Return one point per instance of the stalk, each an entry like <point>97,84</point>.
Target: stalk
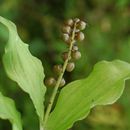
<point>52,98</point>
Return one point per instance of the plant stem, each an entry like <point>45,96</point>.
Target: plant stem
<point>41,126</point>
<point>49,107</point>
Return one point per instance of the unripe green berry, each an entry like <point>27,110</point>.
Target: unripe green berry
<point>65,56</point>
<point>80,36</point>
<point>69,22</point>
<point>81,25</point>
<point>62,83</point>
<point>75,48</point>
<point>50,82</point>
<point>57,69</point>
<point>70,66</point>
<point>66,29</point>
<point>76,55</point>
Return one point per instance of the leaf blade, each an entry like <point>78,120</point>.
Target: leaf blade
<point>8,111</point>
<point>24,68</point>
<point>104,86</point>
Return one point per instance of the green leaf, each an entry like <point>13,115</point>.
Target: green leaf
<point>8,111</point>
<point>24,68</point>
<point>104,86</point>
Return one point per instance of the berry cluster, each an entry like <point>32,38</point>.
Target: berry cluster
<point>68,27</point>
<point>71,32</point>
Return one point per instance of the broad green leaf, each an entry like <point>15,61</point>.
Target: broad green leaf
<point>8,111</point>
<point>104,86</point>
<point>24,68</point>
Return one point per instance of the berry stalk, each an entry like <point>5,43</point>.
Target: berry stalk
<point>71,33</point>
<point>60,76</point>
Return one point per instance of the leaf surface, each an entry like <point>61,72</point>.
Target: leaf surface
<point>8,111</point>
<point>104,86</point>
<point>24,68</point>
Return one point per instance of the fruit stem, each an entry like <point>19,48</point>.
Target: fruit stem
<point>52,98</point>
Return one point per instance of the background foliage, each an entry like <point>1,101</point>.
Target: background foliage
<point>107,38</point>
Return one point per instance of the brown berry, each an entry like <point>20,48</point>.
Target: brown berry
<point>62,83</point>
<point>65,37</point>
<point>50,82</point>
<point>80,36</point>
<point>75,48</point>
<point>66,29</point>
<point>77,30</point>
<point>70,66</point>
<point>81,25</point>
<point>76,20</point>
<point>57,69</point>
<point>76,55</point>
<point>65,56</point>
<point>69,22</point>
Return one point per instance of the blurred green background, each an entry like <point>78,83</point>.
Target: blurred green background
<point>107,38</point>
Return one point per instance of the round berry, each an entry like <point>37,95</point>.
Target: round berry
<point>66,29</point>
<point>62,83</point>
<point>57,69</point>
<point>77,30</point>
<point>65,56</point>
<point>81,25</point>
<point>66,37</point>
<point>80,36</point>
<point>76,55</point>
<point>50,82</point>
<point>75,48</point>
<point>76,20</point>
<point>70,66</point>
<point>69,22</point>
